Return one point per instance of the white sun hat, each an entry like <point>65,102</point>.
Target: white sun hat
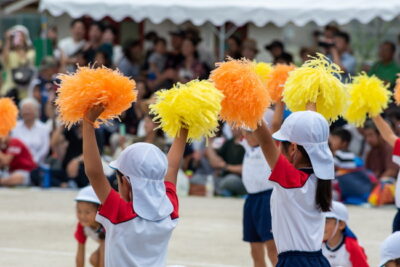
<point>310,130</point>
<point>87,194</point>
<point>146,166</point>
<point>390,248</point>
<point>338,211</point>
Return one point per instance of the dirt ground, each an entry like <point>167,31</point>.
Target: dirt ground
<point>37,226</point>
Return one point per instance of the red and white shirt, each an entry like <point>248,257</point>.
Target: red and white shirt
<point>297,224</point>
<point>131,240</point>
<point>396,159</point>
<point>22,157</point>
<point>82,233</point>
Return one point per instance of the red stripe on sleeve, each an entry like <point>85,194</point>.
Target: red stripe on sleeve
<point>286,175</point>
<point>80,234</point>
<point>117,210</point>
<point>171,193</point>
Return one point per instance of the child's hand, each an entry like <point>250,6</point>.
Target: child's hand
<point>311,106</point>
<point>94,112</point>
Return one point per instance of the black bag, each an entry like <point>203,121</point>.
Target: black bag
<point>22,75</point>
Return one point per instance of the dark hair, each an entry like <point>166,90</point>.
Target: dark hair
<point>112,29</point>
<point>99,25</point>
<point>127,48</point>
<point>391,44</point>
<point>369,124</point>
<point>344,35</point>
<point>75,21</point>
<point>160,40</point>
<point>343,134</point>
<point>236,40</point>
<point>285,58</point>
<point>107,58</point>
<point>323,194</point>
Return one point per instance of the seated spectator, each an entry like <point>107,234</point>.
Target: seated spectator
<point>306,53</point>
<point>228,164</point>
<point>386,68</point>
<point>101,58</point>
<point>95,42</point>
<point>31,131</point>
<point>234,47</point>
<point>109,37</point>
<point>158,58</point>
<point>69,46</point>
<point>16,162</point>
<point>339,141</point>
<point>379,158</point>
<point>277,50</point>
<point>249,49</point>
<point>132,60</point>
<point>390,252</point>
<point>191,67</point>
<point>340,54</point>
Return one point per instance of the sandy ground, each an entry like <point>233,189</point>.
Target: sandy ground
<point>36,230</point>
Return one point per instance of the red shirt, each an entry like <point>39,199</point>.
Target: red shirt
<point>22,157</point>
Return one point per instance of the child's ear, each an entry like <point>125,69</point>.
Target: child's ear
<point>342,225</point>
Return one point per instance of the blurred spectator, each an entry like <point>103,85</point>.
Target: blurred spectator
<point>277,51</point>
<point>339,142</point>
<point>339,53</point>
<point>249,49</point>
<point>133,58</point>
<point>234,47</point>
<point>70,46</point>
<point>31,131</point>
<point>101,58</point>
<point>95,42</point>
<point>228,163</point>
<point>191,67</point>
<point>45,83</point>
<point>330,31</point>
<point>379,158</point>
<point>109,37</point>
<point>18,58</point>
<point>306,53</point>
<point>158,58</point>
<point>16,162</point>
<point>386,68</point>
<point>175,56</point>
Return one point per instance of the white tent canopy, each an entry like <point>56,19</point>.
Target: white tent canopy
<point>239,12</point>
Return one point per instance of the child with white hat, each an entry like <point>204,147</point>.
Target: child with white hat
<point>302,170</point>
<point>87,205</point>
<point>340,246</point>
<point>140,218</point>
<point>390,251</point>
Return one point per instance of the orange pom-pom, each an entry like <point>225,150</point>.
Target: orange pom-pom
<point>246,97</point>
<point>87,87</point>
<point>8,115</point>
<point>277,80</point>
<point>397,90</point>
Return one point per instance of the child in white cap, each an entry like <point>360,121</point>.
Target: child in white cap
<point>390,251</point>
<point>140,218</point>
<point>394,141</point>
<point>87,205</point>
<point>302,170</point>
<point>340,246</point>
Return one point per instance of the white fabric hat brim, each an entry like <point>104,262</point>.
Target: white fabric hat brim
<point>321,160</point>
<point>279,136</point>
<point>87,194</point>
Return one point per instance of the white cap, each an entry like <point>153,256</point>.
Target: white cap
<point>390,248</point>
<point>310,130</point>
<point>87,194</point>
<point>338,211</point>
<point>146,166</point>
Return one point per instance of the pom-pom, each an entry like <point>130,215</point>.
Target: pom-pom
<point>316,82</point>
<point>246,96</point>
<point>277,80</point>
<point>194,106</point>
<point>369,96</point>
<point>397,91</point>
<point>8,116</point>
<point>263,71</point>
<point>87,87</point>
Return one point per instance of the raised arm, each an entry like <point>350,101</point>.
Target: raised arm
<point>267,144</point>
<point>278,116</point>
<point>175,155</point>
<point>385,130</point>
<point>91,155</point>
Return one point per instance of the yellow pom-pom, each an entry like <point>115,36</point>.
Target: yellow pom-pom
<point>316,82</point>
<point>8,115</point>
<point>369,96</point>
<point>263,71</point>
<point>194,106</point>
<point>246,96</point>
<point>397,91</point>
<point>277,80</point>
<point>87,87</point>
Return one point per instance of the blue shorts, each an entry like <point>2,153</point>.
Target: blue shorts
<point>302,259</point>
<point>396,221</point>
<point>257,225</point>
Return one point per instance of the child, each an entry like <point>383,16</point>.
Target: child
<point>302,170</point>
<point>339,141</point>
<point>87,205</point>
<point>390,251</point>
<point>139,220</point>
<point>257,228</point>
<point>340,246</point>
<point>389,136</point>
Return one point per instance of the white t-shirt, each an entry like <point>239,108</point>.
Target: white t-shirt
<point>297,224</point>
<point>69,47</point>
<point>131,240</point>
<point>338,257</point>
<point>255,170</point>
<point>396,159</point>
